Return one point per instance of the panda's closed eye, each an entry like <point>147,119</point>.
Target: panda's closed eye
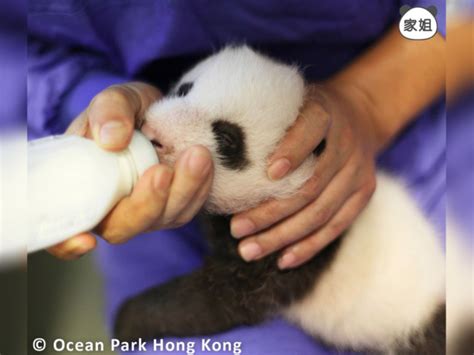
<point>231,148</point>
<point>184,89</point>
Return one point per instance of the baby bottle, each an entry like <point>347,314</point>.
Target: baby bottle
<point>73,184</point>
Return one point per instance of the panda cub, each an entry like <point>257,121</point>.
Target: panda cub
<point>377,288</point>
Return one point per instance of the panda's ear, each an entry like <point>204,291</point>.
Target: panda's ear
<point>404,9</point>
<point>433,10</point>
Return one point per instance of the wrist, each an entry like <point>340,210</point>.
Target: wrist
<point>357,107</point>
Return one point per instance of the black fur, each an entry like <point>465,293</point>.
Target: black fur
<point>224,293</point>
<point>429,341</point>
<point>231,146</point>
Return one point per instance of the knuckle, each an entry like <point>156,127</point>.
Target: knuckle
<point>321,215</point>
<point>306,195</point>
<point>266,215</point>
<point>113,93</point>
<point>146,212</point>
<point>309,190</point>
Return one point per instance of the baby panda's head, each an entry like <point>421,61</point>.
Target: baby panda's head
<point>238,104</point>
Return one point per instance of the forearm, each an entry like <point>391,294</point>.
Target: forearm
<point>459,65</point>
<point>393,81</point>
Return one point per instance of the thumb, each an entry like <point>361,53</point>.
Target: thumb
<point>112,113</point>
<point>308,131</point>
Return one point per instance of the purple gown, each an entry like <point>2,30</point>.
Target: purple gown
<point>77,48</point>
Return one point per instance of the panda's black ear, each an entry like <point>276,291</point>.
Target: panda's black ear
<point>433,10</point>
<point>404,9</point>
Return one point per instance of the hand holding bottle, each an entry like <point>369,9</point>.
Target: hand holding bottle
<point>163,197</point>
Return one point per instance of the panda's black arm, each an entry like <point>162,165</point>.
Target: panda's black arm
<point>225,293</point>
<point>210,300</point>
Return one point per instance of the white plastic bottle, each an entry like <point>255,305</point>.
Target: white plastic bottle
<point>73,184</point>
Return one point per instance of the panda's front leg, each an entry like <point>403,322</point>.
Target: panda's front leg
<point>210,300</point>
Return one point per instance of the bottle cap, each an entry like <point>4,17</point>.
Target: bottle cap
<point>142,152</point>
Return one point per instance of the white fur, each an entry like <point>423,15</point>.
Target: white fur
<point>388,276</point>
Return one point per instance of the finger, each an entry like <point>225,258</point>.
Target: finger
<point>273,211</point>
<point>192,170</point>
<point>79,126</point>
<point>304,250</point>
<point>74,247</point>
<point>196,203</point>
<point>303,222</point>
<point>303,137</point>
<point>112,114</point>
<point>137,212</point>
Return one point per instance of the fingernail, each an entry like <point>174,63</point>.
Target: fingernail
<point>279,169</point>
<point>162,180</point>
<point>241,227</point>
<point>198,163</point>
<point>287,261</point>
<point>250,251</point>
<point>113,132</point>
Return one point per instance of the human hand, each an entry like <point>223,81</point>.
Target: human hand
<point>342,183</point>
<point>163,197</point>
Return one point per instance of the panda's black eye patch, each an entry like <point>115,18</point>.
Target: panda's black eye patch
<point>184,89</point>
<point>231,147</point>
